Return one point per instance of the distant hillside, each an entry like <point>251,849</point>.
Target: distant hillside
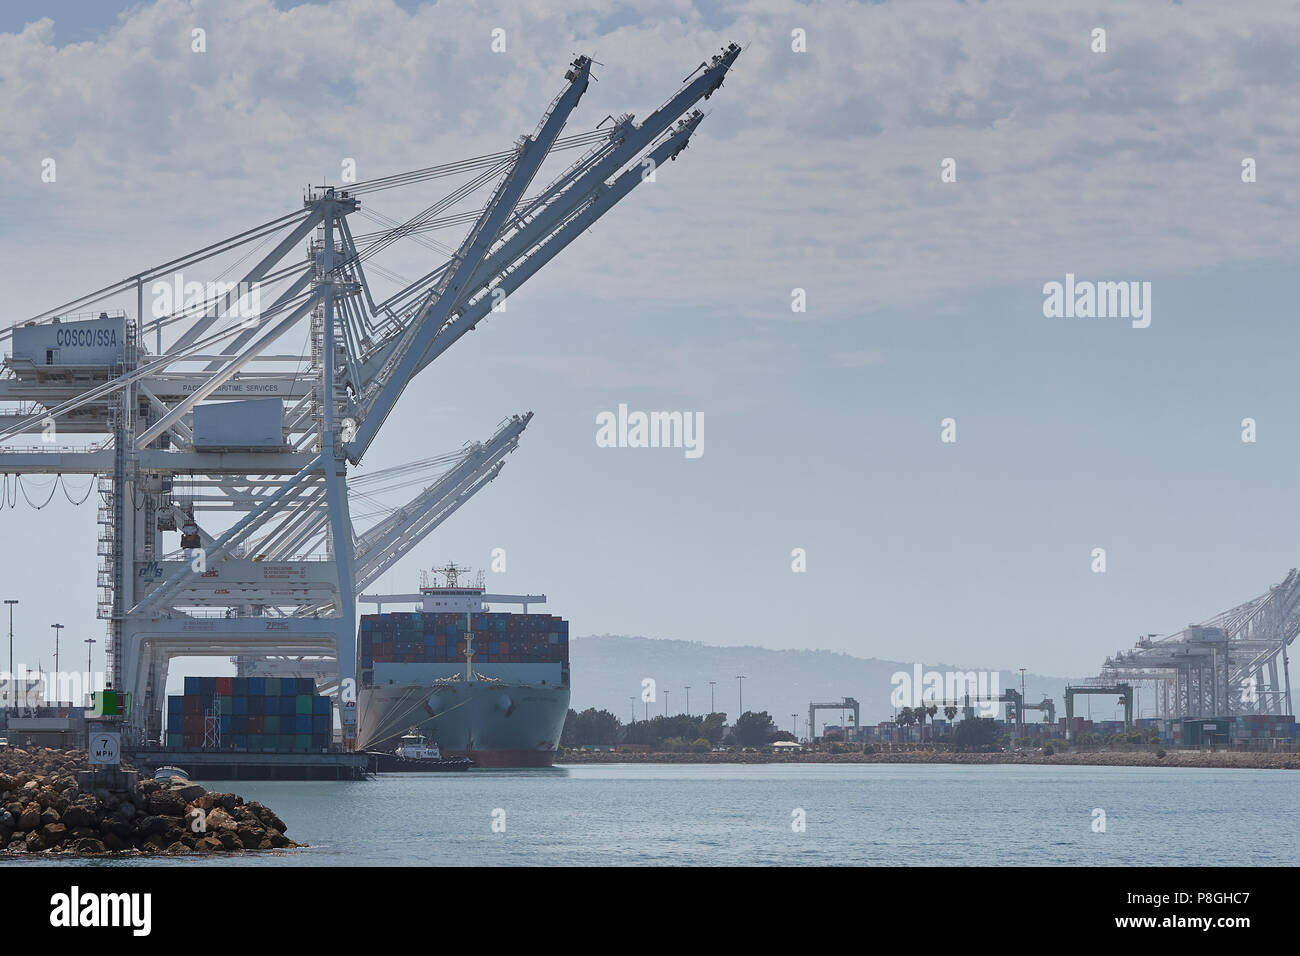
<point>608,669</point>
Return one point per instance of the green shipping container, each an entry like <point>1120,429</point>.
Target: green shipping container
<point>272,687</point>
<point>271,724</point>
<point>302,742</point>
<point>304,704</point>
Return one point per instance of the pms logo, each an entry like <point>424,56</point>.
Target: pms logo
<point>151,570</point>
<point>277,625</point>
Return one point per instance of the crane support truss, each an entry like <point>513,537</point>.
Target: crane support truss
<point>1234,663</point>
<point>233,418</point>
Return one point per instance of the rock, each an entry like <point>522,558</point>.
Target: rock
<point>251,836</point>
<point>157,842</point>
<point>37,841</point>
<point>31,785</point>
<point>208,844</point>
<point>229,840</point>
<point>49,815</point>
<point>127,811</point>
<point>78,816</point>
<point>54,832</point>
<point>220,820</point>
<point>178,848</point>
<point>30,819</point>
<point>114,843</point>
<point>189,792</point>
<point>151,824</point>
<point>79,833</point>
<point>89,845</point>
<point>166,803</point>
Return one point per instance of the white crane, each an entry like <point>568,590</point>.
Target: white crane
<point>239,426</point>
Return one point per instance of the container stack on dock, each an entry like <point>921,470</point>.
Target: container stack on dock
<point>253,714</point>
<point>416,637</point>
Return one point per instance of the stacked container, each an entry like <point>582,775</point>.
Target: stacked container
<point>412,637</point>
<point>254,714</point>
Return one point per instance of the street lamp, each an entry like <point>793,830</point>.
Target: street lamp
<point>794,718</point>
<point>688,700</point>
<point>13,684</point>
<point>712,709</point>
<point>666,693</point>
<point>633,700</point>
<point>740,678</point>
<point>57,628</point>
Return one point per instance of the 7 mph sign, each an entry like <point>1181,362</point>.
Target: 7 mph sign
<point>106,748</point>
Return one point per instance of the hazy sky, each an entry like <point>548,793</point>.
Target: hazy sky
<point>816,170</point>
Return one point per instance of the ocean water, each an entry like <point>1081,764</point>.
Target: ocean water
<point>742,815</point>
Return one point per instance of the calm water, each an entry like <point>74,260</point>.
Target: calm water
<point>883,814</point>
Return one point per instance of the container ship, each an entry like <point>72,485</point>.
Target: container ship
<point>488,685</point>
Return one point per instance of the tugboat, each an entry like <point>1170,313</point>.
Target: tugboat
<point>413,755</point>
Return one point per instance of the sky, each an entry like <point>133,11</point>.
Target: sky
<point>819,170</point>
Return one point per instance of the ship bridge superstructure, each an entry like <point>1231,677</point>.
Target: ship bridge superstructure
<point>225,418</point>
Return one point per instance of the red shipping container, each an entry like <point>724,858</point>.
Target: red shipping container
<point>255,723</point>
<point>225,686</point>
<point>192,704</point>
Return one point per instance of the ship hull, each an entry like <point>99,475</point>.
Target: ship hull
<point>494,724</point>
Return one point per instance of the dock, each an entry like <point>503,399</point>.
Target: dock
<point>228,765</point>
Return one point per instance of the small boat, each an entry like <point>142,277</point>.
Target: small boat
<point>413,755</point>
<point>168,771</point>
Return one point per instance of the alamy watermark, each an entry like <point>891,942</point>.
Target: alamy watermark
<point>922,687</point>
<point>626,429</point>
<point>1085,299</point>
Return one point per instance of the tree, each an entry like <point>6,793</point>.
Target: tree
<point>906,718</point>
<point>932,710</point>
<point>592,726</point>
<point>975,733</point>
<point>711,727</point>
<point>754,729</point>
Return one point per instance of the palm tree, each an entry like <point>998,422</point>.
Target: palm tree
<point>932,710</point>
<point>905,718</point>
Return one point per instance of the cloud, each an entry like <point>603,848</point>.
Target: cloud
<point>818,170</point>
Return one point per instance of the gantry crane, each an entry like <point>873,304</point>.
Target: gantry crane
<point>1236,662</point>
<point>238,427</point>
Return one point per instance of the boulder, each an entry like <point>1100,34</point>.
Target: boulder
<point>166,803</point>
<point>49,815</point>
<point>78,815</point>
<point>90,846</point>
<point>208,844</point>
<point>54,832</point>
<point>229,840</point>
<point>30,818</point>
<point>114,843</point>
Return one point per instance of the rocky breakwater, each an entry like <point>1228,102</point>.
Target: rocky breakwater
<point>42,810</point>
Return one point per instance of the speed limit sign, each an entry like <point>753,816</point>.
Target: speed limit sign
<point>105,748</point>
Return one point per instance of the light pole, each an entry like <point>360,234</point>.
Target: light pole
<point>688,700</point>
<point>794,718</point>
<point>13,683</point>
<point>1020,711</point>
<point>712,709</point>
<point>740,679</point>
<point>666,693</point>
<point>57,628</point>
<point>90,681</point>
<point>633,700</point>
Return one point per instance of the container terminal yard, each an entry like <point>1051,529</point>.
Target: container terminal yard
<point>232,420</point>
<point>219,431</point>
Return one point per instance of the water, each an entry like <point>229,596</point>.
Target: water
<point>740,815</point>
